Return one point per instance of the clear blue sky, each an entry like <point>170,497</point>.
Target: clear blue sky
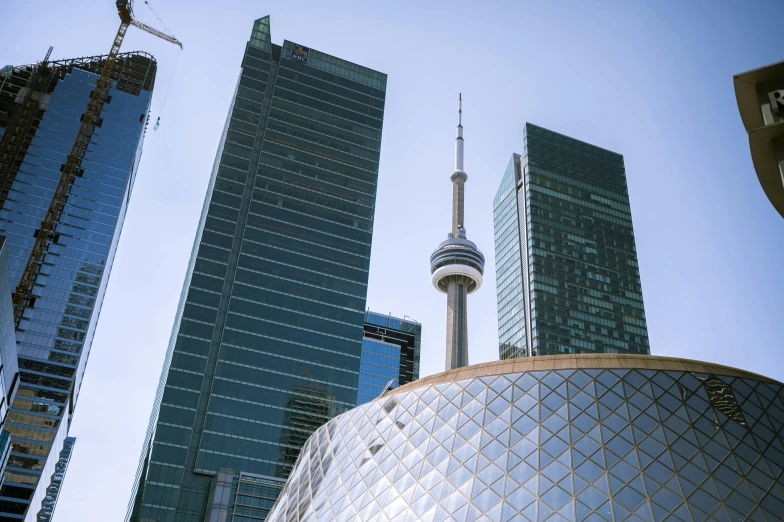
<point>650,80</point>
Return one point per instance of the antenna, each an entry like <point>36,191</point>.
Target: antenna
<point>459,138</point>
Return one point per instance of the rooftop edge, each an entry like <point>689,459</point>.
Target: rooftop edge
<point>577,362</point>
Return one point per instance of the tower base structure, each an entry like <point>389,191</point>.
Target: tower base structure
<point>559,438</point>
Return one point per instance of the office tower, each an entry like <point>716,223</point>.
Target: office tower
<point>567,438</point>
<point>390,354</point>
<point>457,264</point>
<point>566,264</point>
<point>267,339</point>
<point>760,97</point>
<point>55,332</point>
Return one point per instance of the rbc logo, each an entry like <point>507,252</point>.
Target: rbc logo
<point>777,102</point>
<point>300,53</point>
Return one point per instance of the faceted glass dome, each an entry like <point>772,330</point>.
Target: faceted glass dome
<point>667,440</point>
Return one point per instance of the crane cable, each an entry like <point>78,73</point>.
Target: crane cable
<point>168,87</point>
<point>176,62</point>
<point>158,17</point>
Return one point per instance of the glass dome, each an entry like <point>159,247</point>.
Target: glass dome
<point>564,438</point>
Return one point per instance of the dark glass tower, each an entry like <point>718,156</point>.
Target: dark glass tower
<point>55,333</point>
<point>267,339</point>
<point>566,264</point>
<point>390,352</point>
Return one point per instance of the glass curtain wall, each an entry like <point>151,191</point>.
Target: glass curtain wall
<point>267,340</point>
<point>510,294</point>
<point>579,277</point>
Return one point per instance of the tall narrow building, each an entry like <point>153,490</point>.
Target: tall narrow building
<point>457,265</point>
<point>56,329</point>
<point>267,339</point>
<point>566,263</point>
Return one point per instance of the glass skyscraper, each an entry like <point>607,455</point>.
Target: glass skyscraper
<point>566,263</point>
<point>390,353</point>
<point>55,333</point>
<point>267,340</point>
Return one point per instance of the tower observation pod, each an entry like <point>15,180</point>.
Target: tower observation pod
<point>457,264</point>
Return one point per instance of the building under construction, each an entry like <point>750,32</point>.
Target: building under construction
<point>42,113</point>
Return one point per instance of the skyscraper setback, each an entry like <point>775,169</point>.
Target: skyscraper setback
<point>55,332</point>
<point>566,263</point>
<point>267,339</point>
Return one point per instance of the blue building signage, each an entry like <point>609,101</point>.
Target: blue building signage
<point>300,53</point>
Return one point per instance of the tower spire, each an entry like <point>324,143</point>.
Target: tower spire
<point>459,177</point>
<point>459,139</point>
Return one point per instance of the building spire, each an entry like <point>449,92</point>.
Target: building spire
<point>459,139</point>
<point>459,176</point>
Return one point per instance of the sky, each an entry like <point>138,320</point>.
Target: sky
<point>649,80</point>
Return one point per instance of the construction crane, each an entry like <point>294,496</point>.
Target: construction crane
<point>23,296</point>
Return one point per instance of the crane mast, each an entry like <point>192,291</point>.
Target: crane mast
<point>23,296</point>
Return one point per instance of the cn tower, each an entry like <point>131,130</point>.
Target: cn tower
<point>457,264</point>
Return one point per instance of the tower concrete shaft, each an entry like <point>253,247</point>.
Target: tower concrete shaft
<point>456,322</point>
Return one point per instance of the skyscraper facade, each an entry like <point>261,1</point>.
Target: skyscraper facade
<point>390,354</point>
<point>55,333</point>
<point>566,263</point>
<point>267,339</point>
